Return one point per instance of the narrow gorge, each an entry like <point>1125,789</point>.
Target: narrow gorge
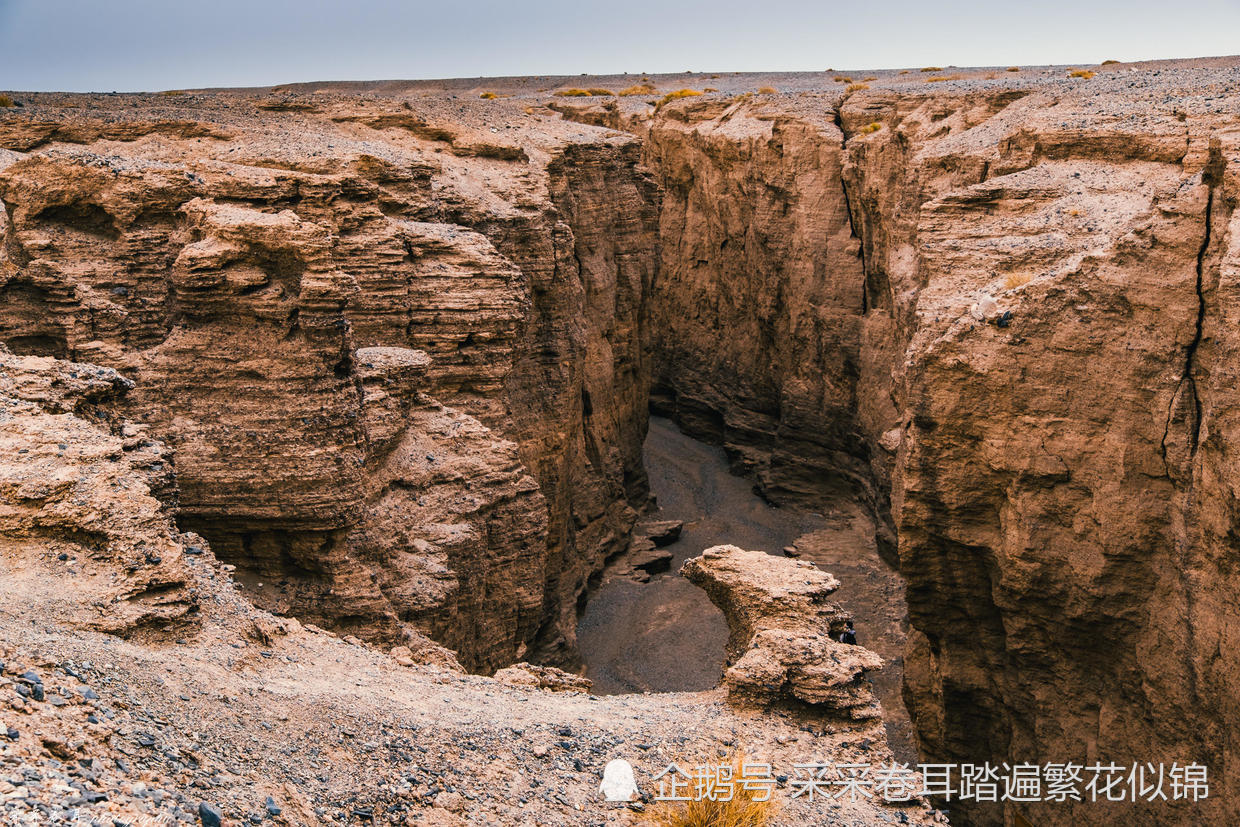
<point>402,342</point>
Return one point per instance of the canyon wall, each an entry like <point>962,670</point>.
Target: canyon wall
<point>401,366</point>
<point>1012,341</point>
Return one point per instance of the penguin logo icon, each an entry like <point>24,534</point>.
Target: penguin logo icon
<point>619,783</point>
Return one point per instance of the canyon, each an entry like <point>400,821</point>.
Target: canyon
<point>389,349</point>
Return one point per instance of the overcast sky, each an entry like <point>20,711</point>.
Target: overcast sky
<point>127,45</point>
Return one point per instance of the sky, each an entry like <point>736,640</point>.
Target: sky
<point>150,45</point>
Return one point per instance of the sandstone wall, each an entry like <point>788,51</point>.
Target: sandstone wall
<point>270,283</point>
<point>1058,477</point>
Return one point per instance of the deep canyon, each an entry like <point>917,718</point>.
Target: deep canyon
<point>401,343</point>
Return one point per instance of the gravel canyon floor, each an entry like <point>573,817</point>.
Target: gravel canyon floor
<point>323,409</point>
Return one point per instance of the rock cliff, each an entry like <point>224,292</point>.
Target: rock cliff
<point>258,274</point>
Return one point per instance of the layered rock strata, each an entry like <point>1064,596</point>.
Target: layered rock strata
<point>260,275</point>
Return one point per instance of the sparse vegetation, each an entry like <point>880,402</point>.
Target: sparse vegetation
<point>6,102</point>
<point>710,89</point>
<point>638,89</point>
<point>741,809</point>
<point>1109,62</point>
<point>857,87</point>
<point>1015,280</point>
<point>843,79</point>
<point>941,78</point>
<point>171,93</point>
<point>768,90</point>
<point>487,96</point>
<point>870,78</point>
<point>932,68</point>
<point>601,93</point>
<point>904,71</point>
<point>572,93</point>
<point>1013,68</point>
<point>871,128</point>
<point>677,95</point>
<point>1081,73</point>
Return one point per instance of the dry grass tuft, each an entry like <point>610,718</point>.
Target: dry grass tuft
<point>870,78</point>
<point>572,93</point>
<point>741,810</point>
<point>857,87</point>
<point>638,89</point>
<point>1016,280</point>
<point>601,93</point>
<point>842,79</point>
<point>1109,62</point>
<point>941,78</point>
<point>6,102</point>
<point>871,128</point>
<point>932,68</point>
<point>904,71</point>
<point>1013,68</point>
<point>171,93</point>
<point>768,90</point>
<point>1081,73</point>
<point>488,96</point>
<point>677,95</point>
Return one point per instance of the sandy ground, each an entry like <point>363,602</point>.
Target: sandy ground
<point>665,636</point>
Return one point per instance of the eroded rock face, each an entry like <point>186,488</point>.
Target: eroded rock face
<point>80,525</point>
<point>783,632</point>
<point>268,278</point>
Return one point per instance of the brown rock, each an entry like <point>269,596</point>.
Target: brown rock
<point>543,677</point>
<point>781,628</point>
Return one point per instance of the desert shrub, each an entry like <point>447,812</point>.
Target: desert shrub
<point>1081,73</point>
<point>572,93</point>
<point>932,68</point>
<point>857,87</point>
<point>487,96</point>
<point>601,93</point>
<point>639,89</point>
<point>1109,62</point>
<point>6,101</point>
<point>678,94</point>
<point>842,79</point>
<point>742,809</point>
<point>871,128</point>
<point>941,78</point>
<point>768,90</point>
<point>1013,68</point>
<point>870,78</point>
<point>1015,280</point>
<point>171,93</point>
<point>710,89</point>
<point>904,71</point>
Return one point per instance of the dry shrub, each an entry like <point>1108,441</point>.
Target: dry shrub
<point>904,71</point>
<point>857,87</point>
<point>678,94</point>
<point>843,79</point>
<point>601,93</point>
<point>572,93</point>
<point>639,89</point>
<point>871,128</point>
<point>742,810</point>
<point>6,102</point>
<point>870,78</point>
<point>488,96</point>
<point>1081,73</point>
<point>932,68</point>
<point>171,93</point>
<point>710,89</point>
<point>768,90</point>
<point>1015,280</point>
<point>941,78</point>
<point>1109,62</point>
<point>1013,68</point>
